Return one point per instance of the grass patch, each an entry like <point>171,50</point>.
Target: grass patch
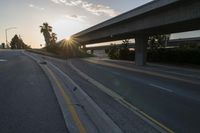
<point>60,53</point>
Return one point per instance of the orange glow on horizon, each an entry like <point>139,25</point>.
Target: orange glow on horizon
<point>68,38</point>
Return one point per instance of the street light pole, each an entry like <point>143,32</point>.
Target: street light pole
<point>6,30</point>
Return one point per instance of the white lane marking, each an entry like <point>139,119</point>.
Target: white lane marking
<point>169,72</point>
<point>176,67</point>
<point>160,87</point>
<point>116,73</point>
<point>34,58</point>
<point>96,83</point>
<point>97,110</point>
<point>152,73</point>
<point>152,64</point>
<point>3,60</point>
<point>180,74</point>
<point>113,72</point>
<point>157,125</point>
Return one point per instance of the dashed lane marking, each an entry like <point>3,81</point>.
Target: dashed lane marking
<point>159,126</point>
<point>143,71</point>
<point>160,87</point>
<point>3,60</point>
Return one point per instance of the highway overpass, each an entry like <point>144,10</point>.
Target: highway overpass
<point>156,17</point>
<point>172,42</point>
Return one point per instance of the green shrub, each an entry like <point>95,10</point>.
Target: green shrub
<point>120,53</point>
<point>52,49</point>
<point>182,55</point>
<point>175,55</point>
<point>113,52</point>
<point>66,51</point>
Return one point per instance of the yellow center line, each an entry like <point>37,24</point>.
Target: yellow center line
<point>68,103</point>
<point>118,98</point>
<point>142,71</point>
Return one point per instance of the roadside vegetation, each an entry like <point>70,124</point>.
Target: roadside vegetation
<point>3,45</point>
<point>179,55</point>
<point>158,52</point>
<point>62,49</point>
<point>17,43</point>
<point>121,52</point>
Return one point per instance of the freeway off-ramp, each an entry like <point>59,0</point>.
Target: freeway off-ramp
<point>133,99</point>
<point>27,101</point>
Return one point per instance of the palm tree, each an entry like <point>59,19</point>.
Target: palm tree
<point>53,38</point>
<point>46,30</point>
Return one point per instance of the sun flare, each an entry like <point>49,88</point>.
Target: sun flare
<point>68,38</point>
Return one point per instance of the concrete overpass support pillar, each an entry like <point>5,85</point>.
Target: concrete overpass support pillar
<point>92,51</point>
<point>140,50</point>
<point>84,48</point>
<point>79,46</point>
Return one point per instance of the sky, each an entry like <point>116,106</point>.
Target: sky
<point>67,17</point>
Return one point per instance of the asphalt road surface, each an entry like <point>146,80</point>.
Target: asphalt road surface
<point>27,101</point>
<point>170,95</point>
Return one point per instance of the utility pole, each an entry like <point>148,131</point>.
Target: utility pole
<point>6,32</point>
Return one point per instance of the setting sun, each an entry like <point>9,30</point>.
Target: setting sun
<point>68,38</point>
<point>107,66</point>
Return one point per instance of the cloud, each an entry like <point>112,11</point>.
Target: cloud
<point>76,17</point>
<point>99,9</point>
<point>96,9</point>
<point>56,1</point>
<point>59,1</point>
<point>36,7</point>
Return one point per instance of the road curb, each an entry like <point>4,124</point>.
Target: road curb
<point>151,121</point>
<point>101,120</point>
<point>67,118</point>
